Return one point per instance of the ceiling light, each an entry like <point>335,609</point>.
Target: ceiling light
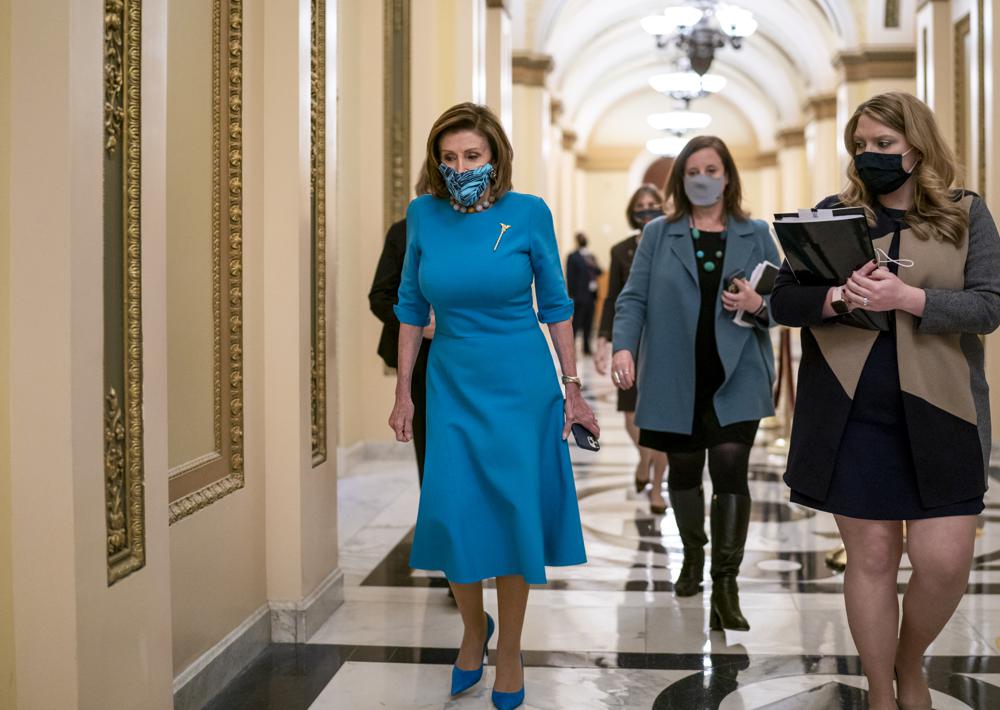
<point>700,28</point>
<point>669,145</point>
<point>679,121</point>
<point>687,85</point>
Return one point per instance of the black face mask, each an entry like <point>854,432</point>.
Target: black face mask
<point>881,173</point>
<point>642,217</point>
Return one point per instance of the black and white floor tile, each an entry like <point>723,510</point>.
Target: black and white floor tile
<point>611,634</point>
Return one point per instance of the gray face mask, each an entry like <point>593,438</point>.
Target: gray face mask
<point>703,190</point>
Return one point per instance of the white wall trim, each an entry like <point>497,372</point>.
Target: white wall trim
<point>212,671</point>
<point>296,622</point>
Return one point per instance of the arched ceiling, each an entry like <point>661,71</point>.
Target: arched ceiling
<point>602,55</point>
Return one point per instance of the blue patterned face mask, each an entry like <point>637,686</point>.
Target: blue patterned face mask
<point>467,188</point>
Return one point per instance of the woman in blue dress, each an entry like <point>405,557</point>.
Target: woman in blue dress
<point>498,498</point>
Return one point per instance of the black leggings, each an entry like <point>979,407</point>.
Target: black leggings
<point>727,465</point>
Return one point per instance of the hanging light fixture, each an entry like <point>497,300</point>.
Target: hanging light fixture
<point>667,145</point>
<point>679,122</point>
<point>687,85</point>
<point>699,28</point>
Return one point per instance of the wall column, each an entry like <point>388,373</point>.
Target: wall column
<point>79,643</point>
<point>822,145</point>
<point>564,202</point>
<point>499,54</point>
<point>936,64</point>
<point>795,190</point>
<point>532,141</point>
<point>301,528</point>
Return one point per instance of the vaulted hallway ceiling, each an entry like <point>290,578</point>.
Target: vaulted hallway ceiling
<point>603,59</point>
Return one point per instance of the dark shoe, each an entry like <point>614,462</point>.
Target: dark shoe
<point>730,520</point>
<point>689,512</point>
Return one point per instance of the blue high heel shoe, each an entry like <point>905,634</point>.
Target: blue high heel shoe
<point>509,701</point>
<point>462,680</point>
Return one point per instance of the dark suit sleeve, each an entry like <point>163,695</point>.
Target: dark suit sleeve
<point>616,281</point>
<point>385,285</point>
<point>795,305</point>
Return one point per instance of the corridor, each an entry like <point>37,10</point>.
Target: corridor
<point>611,634</point>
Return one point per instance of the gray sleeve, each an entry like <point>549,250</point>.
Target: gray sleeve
<point>976,308</point>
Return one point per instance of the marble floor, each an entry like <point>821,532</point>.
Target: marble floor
<point>611,634</point>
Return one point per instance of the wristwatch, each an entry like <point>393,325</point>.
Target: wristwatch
<point>837,302</point>
<point>570,379</point>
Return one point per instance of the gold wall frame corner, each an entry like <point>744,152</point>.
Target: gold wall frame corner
<point>396,109</point>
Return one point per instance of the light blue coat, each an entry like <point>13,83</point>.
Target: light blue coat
<point>656,319</point>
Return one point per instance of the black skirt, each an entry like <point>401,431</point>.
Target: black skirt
<point>706,432</point>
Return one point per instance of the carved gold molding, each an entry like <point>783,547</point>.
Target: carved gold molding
<point>318,186</point>
<point>124,486</point>
<point>962,28</point>
<point>891,19</point>
<point>202,485</point>
<point>396,109</point>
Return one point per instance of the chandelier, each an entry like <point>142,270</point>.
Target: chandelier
<point>667,145</point>
<point>685,86</point>
<point>700,28</point>
<point>679,122</point>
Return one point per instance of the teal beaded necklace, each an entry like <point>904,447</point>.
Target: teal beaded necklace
<point>707,264</point>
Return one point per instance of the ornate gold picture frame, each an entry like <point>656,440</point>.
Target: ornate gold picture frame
<point>210,478</point>
<point>317,349</point>
<point>124,488</point>
<point>396,109</point>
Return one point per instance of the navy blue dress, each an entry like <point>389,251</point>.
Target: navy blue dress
<point>874,477</point>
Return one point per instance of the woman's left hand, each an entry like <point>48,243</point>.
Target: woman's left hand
<point>877,289</point>
<point>745,300</point>
<point>577,411</point>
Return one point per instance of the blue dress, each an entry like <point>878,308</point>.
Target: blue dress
<point>498,496</point>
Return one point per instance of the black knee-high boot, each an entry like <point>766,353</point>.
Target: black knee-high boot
<point>730,520</point>
<point>689,512</point>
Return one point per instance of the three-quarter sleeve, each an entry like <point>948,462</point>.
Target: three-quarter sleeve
<point>976,308</point>
<point>412,308</point>
<point>630,306</point>
<point>554,304</point>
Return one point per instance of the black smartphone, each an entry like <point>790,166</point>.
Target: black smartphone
<point>585,439</point>
<point>728,283</point>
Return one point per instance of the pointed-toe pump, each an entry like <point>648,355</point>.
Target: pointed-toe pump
<point>462,680</point>
<point>509,701</point>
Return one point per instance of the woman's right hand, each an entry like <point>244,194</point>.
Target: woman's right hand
<point>623,370</point>
<point>401,419</point>
<point>602,356</point>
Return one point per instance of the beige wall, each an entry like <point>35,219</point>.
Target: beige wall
<point>7,671</point>
<point>366,391</point>
<point>102,647</point>
<point>190,321</point>
<point>218,564</point>
<point>606,195</point>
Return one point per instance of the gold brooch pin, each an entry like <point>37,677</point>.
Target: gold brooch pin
<point>503,228</point>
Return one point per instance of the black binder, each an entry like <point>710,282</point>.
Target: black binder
<point>823,247</point>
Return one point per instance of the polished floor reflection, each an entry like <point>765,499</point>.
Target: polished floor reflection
<point>611,634</point>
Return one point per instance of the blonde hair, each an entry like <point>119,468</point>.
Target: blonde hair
<point>468,117</point>
<point>935,211</point>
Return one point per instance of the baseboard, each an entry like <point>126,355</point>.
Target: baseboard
<point>296,622</point>
<point>212,671</point>
<point>350,457</point>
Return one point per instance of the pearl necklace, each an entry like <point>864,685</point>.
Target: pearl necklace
<point>478,207</point>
